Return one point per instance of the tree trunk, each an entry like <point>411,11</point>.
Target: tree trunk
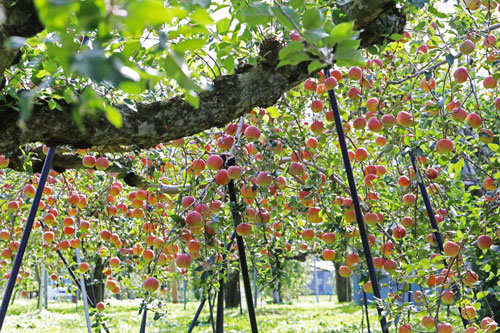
<point>95,286</point>
<point>277,293</point>
<point>232,297</point>
<point>343,286</point>
<point>175,296</point>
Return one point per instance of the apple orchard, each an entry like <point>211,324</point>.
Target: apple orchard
<point>139,181</point>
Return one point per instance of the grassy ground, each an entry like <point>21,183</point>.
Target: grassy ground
<point>305,315</point>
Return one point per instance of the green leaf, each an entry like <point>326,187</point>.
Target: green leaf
<point>315,65</point>
<point>396,36</point>
<point>297,4</point>
<point>314,35</point>
<point>450,59</point>
<point>342,31</point>
<point>256,13</point>
<point>223,25</point>
<point>289,19</point>
<point>313,19</point>
<point>113,115</point>
<point>201,16</point>
<point>294,59</point>
<point>143,13</point>
<point>273,112</point>
<point>176,68</point>
<point>349,57</point>
<point>189,45</point>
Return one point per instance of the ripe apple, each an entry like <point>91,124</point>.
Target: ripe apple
<point>329,237</point>
<point>151,284</point>
<point>316,106</point>
<point>467,47</point>
<point>330,83</point>
<point>488,325</point>
<point>264,178</point>
<point>387,248</point>
<point>398,232</point>
<point>461,75</point>
<point>354,93</point>
<point>222,177</point>
<point>459,114</point>
<point>310,85</point>
<point>444,328</point>
<point>345,271</point>
<point>448,297</point>
<point>378,262</point>
<point>406,328</point>
<point>114,262</point>
<point>29,190</point>
<point>404,119</point>
<point>359,123</point>
<point>489,82</point>
<point>428,322</point>
<point>374,125</point>
<point>225,142</point>
<point>468,312</point>
<point>484,242</point>
<point>427,85</point>
<point>409,199</point>
<point>352,260</point>
<point>451,249</point>
<point>371,218</point>
<point>328,254</point>
<point>183,260</point>
<point>48,236</point>
<point>485,135</point>
<point>355,73</point>
<point>368,288</point>
<point>252,133</point>
<point>214,162</point>
<point>407,222</point>
<point>244,229</point>
<point>474,120</point>
<point>489,184</point>
<point>361,154</point>
<point>234,172</point>
<point>4,162</point>
<point>308,234</point>
<point>296,169</point>
<point>88,161</point>
<point>100,306</point>
<point>390,265</point>
<point>444,146</point>
<point>194,219</point>
<point>83,267</point>
<point>101,163</point>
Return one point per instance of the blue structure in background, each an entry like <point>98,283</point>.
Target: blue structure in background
<point>386,286</point>
<point>325,286</point>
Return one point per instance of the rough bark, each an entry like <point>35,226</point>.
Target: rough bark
<point>232,295</point>
<point>229,97</point>
<point>21,22</point>
<point>95,286</point>
<point>342,286</point>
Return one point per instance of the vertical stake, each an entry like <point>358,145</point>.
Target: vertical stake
<point>357,207</point>
<point>432,218</point>
<point>242,256</point>
<point>26,235</point>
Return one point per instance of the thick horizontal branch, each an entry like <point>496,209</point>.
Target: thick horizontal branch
<point>230,96</point>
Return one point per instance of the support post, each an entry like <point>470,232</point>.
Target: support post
<point>84,294</point>
<point>432,218</point>
<point>242,256</point>
<point>26,234</point>
<point>357,206</point>
<point>255,290</point>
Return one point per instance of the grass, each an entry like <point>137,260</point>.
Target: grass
<point>305,315</point>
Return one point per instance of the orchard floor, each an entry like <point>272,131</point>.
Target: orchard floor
<point>305,315</point>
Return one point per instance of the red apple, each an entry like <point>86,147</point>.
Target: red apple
<point>484,242</point>
<point>151,284</point>
<point>451,249</point>
<point>88,161</point>
<point>214,162</point>
<point>444,146</point>
<point>461,75</point>
<point>328,255</point>
<point>404,119</point>
<point>355,73</point>
<point>101,163</point>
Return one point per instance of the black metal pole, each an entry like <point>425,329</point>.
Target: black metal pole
<point>242,255</point>
<point>432,218</point>
<point>204,299</point>
<point>219,322</point>
<point>365,301</point>
<point>357,207</point>
<point>26,235</point>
